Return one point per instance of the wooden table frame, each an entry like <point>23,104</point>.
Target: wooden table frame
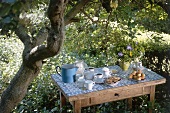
<point>112,94</point>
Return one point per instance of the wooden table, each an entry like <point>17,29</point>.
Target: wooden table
<point>102,93</point>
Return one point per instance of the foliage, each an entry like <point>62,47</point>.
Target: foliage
<point>90,46</point>
<point>156,42</point>
<point>42,96</point>
<point>153,18</point>
<point>10,59</point>
<point>95,37</point>
<point>28,13</point>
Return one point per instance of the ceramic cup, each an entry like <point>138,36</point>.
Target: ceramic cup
<point>89,84</point>
<point>91,68</point>
<point>81,82</point>
<point>98,77</point>
<point>89,75</point>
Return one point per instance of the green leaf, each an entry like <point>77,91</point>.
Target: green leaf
<point>6,20</point>
<point>16,7</point>
<point>4,10</point>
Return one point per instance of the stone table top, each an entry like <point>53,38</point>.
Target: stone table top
<point>72,89</point>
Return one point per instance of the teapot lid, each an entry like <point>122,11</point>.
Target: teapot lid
<point>105,69</point>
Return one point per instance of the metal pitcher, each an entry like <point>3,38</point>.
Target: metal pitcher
<point>68,72</point>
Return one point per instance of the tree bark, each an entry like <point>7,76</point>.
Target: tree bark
<point>72,13</point>
<point>17,89</point>
<point>33,55</point>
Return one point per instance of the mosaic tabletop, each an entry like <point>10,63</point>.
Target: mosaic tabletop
<point>72,89</point>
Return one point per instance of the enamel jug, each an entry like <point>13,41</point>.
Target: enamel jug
<point>68,72</point>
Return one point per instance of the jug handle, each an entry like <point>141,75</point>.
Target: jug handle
<point>58,67</point>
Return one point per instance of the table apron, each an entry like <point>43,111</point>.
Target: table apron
<point>112,95</point>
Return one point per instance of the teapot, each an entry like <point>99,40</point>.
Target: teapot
<point>106,72</point>
<point>81,66</point>
<point>68,72</point>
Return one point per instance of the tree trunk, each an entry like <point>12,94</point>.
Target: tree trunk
<point>34,53</point>
<point>17,88</point>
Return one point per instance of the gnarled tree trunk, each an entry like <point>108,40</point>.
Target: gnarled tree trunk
<point>35,52</point>
<point>33,55</point>
<point>17,88</point>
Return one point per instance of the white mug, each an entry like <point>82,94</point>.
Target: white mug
<point>80,82</point>
<point>89,84</point>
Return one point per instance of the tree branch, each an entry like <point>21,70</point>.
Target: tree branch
<point>55,36</point>
<point>72,13</point>
<point>41,37</point>
<point>22,34</point>
<point>56,33</point>
<point>165,7</point>
<point>86,15</point>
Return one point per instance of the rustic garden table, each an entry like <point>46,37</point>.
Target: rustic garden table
<point>101,93</point>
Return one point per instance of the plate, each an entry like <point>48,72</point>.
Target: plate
<point>112,80</point>
<point>112,84</point>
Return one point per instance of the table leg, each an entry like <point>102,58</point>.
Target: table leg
<point>62,102</point>
<point>77,106</point>
<point>152,97</point>
<point>129,100</point>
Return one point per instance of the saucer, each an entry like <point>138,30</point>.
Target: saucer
<point>99,81</point>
